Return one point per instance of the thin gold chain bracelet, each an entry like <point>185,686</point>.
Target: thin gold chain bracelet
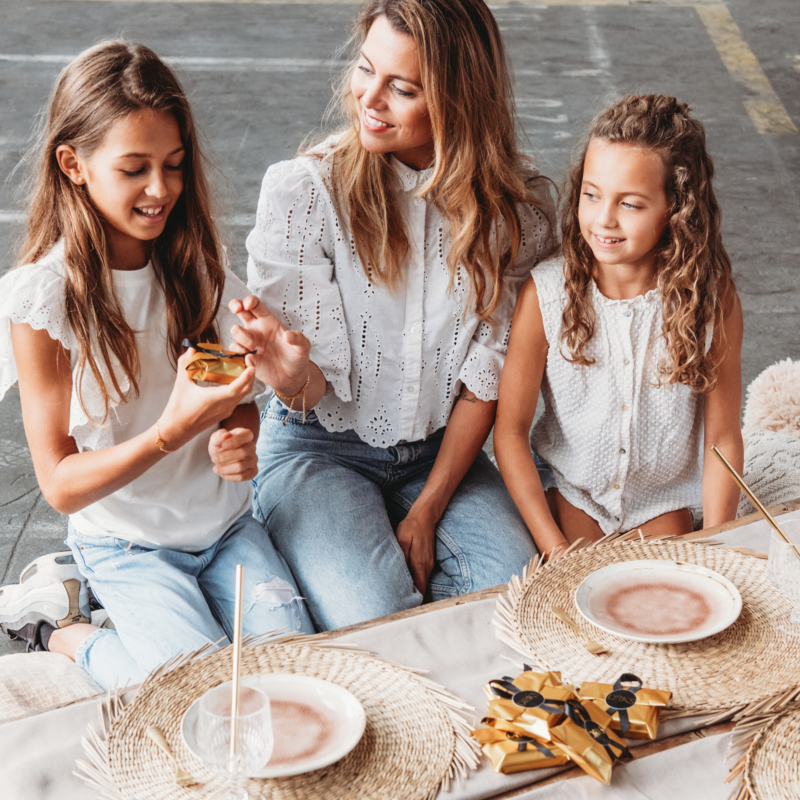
<point>290,399</point>
<point>159,441</point>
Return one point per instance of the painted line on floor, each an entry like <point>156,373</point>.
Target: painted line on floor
<point>764,106</point>
<point>200,63</point>
<point>493,4</point>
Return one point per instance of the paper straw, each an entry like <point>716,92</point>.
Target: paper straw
<point>237,659</point>
<point>754,500</point>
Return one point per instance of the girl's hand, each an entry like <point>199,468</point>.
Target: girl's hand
<point>233,454</point>
<point>416,537</point>
<point>283,355</point>
<point>192,409</point>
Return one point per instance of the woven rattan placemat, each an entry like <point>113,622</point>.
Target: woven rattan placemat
<point>772,771</point>
<point>748,662</point>
<point>414,742</point>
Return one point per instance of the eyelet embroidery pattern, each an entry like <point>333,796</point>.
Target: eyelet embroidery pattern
<point>395,360</point>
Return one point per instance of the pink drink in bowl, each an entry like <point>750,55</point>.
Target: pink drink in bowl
<point>658,601</point>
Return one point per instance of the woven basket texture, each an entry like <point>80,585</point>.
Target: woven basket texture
<point>748,662</point>
<point>773,762</point>
<point>414,738</point>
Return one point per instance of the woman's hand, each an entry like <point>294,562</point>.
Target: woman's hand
<point>283,355</point>
<point>233,453</point>
<point>416,536</point>
<point>192,409</point>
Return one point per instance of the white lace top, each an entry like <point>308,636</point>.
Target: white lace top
<point>622,449</point>
<point>178,503</point>
<point>394,360</point>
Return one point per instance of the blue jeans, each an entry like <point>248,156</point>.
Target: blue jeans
<point>332,503</point>
<point>545,471</point>
<point>165,602</point>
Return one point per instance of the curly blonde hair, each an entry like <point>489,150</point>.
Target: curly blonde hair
<point>692,268</point>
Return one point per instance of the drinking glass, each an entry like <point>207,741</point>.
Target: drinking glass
<point>784,572</point>
<point>254,741</point>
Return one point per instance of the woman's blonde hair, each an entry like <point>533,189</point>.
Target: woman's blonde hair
<point>693,270</point>
<point>478,171</point>
<point>100,87</point>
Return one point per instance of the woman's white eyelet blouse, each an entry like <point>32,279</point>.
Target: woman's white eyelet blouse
<point>395,360</point>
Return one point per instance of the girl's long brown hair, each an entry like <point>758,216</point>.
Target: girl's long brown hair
<point>693,270</point>
<point>479,172</point>
<point>101,86</point>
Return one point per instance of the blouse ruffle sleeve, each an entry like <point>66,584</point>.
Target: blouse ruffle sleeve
<point>34,295</point>
<point>290,266</point>
<point>481,369</point>
<point>31,295</point>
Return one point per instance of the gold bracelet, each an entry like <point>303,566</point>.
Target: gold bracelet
<point>290,400</point>
<point>159,441</point>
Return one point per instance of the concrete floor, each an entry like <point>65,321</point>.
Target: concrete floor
<point>259,77</point>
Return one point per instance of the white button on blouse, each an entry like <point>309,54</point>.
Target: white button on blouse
<point>395,360</point>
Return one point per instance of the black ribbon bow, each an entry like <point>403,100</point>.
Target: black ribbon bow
<point>217,353</point>
<point>524,741</point>
<point>622,698</point>
<point>525,698</point>
<point>580,716</point>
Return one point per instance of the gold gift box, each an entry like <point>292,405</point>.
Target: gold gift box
<point>534,705</point>
<point>528,681</point>
<point>511,753</point>
<point>590,742</point>
<point>642,716</point>
<point>531,721</point>
<point>212,364</point>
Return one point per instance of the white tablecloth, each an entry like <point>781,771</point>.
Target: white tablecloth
<point>695,770</point>
<point>459,648</point>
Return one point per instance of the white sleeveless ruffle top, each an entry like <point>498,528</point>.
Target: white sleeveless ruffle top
<point>622,448</point>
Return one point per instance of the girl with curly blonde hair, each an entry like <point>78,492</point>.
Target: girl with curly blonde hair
<point>633,335</point>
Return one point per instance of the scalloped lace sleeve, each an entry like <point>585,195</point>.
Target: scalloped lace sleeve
<point>226,319</point>
<point>290,265</point>
<point>481,369</point>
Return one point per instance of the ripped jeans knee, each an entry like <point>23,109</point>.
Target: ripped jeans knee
<point>276,606</point>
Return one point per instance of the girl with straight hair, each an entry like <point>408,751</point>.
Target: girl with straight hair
<point>633,336</point>
<point>386,261</point>
<point>121,263</point>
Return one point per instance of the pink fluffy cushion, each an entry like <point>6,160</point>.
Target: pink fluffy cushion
<point>773,400</point>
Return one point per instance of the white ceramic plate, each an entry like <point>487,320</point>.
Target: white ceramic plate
<point>315,723</point>
<point>659,601</point>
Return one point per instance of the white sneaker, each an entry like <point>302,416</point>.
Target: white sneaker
<point>58,567</point>
<point>51,590</point>
<point>100,619</point>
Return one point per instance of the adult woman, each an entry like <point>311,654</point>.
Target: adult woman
<point>397,247</point>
